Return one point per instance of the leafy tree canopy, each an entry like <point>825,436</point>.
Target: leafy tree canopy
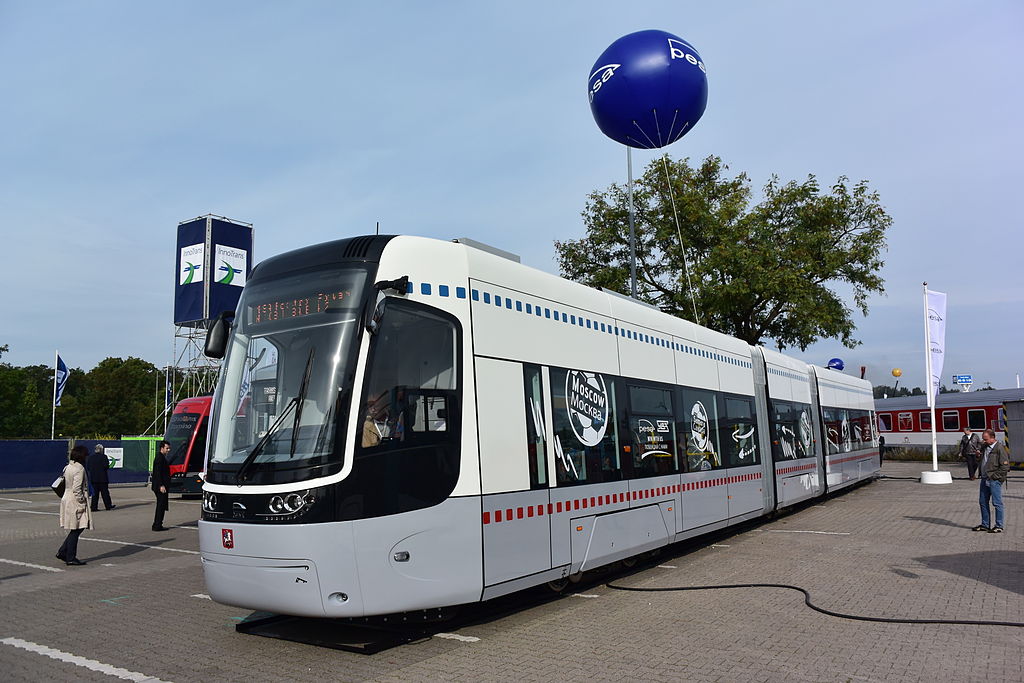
<point>766,270</point>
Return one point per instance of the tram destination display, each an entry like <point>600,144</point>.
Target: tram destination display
<point>265,311</point>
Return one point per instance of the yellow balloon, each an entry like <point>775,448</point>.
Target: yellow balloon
<point>896,372</point>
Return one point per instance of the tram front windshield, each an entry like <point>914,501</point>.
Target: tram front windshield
<point>284,378</point>
<point>179,434</point>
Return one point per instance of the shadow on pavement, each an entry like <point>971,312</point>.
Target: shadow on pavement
<point>936,520</point>
<point>127,550</point>
<point>999,568</point>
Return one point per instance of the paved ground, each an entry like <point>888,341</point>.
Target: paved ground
<point>894,548</point>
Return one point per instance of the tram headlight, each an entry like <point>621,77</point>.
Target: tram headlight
<point>291,503</point>
<point>209,501</point>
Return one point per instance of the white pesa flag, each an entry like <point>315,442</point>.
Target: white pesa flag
<point>937,335</point>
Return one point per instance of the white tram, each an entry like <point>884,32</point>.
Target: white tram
<point>405,423</point>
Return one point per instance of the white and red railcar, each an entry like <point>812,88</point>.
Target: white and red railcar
<point>906,421</point>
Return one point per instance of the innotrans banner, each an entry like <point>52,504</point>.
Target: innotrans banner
<point>213,261</point>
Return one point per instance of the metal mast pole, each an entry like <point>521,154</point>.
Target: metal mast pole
<point>632,228</point>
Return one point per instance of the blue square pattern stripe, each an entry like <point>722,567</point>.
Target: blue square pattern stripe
<point>562,317</point>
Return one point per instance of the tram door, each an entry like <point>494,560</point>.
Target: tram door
<point>513,469</point>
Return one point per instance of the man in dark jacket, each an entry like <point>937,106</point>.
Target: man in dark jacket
<point>161,480</point>
<point>96,466</point>
<point>970,448</point>
<point>995,465</point>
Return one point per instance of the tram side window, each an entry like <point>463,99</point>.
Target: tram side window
<point>195,458</point>
<point>783,431</point>
<point>976,419</point>
<point>885,422</point>
<point>586,436</point>
<point>699,425</point>
<point>792,437</point>
<point>845,431</point>
<point>738,427</point>
<point>408,455</point>
<point>535,439</point>
<point>950,420</point>
<point>906,422</point>
<point>926,420</point>
<point>653,427</point>
<point>860,421</point>
<point>833,426</point>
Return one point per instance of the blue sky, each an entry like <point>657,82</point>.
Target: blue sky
<point>314,120</point>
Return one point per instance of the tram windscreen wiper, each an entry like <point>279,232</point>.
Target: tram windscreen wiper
<point>299,401</point>
<point>261,444</point>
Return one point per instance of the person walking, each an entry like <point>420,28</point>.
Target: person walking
<point>161,480</point>
<point>97,466</point>
<point>75,515</point>
<point>995,465</point>
<point>970,449</point>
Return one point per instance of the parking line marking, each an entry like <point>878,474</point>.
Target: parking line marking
<point>585,595</point>
<point>456,636</point>
<point>34,512</point>
<point>17,500</point>
<point>203,596</point>
<point>139,545</point>
<point>794,531</point>
<point>33,566</point>
<point>720,545</point>
<point>667,566</point>
<point>90,664</point>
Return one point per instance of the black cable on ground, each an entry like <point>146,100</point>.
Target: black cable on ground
<point>807,601</point>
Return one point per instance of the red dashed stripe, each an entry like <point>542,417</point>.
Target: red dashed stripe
<point>510,514</point>
<point>797,468</point>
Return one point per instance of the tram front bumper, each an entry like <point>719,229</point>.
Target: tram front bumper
<point>300,570</point>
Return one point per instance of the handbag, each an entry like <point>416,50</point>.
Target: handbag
<point>58,486</point>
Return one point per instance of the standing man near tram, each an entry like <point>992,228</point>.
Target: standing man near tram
<point>161,480</point>
<point>995,465</point>
<point>970,449</point>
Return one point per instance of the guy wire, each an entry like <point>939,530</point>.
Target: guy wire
<point>679,234</point>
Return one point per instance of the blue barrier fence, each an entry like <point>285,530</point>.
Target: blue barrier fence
<point>36,463</point>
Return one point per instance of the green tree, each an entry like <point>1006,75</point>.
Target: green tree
<point>25,401</point>
<point>759,271</point>
<point>114,398</point>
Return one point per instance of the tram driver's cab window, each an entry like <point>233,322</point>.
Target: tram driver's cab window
<point>408,450</point>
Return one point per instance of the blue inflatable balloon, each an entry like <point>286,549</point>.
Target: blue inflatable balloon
<point>648,89</point>
<point>836,364</point>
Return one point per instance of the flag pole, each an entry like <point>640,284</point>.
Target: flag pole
<point>53,403</point>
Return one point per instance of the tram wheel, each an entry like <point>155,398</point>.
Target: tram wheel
<point>558,585</point>
<point>629,562</point>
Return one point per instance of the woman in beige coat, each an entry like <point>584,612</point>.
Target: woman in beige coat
<point>74,506</point>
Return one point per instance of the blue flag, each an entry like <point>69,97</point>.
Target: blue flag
<point>62,379</point>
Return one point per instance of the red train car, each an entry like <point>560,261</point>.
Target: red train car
<point>906,421</point>
<point>187,436</point>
